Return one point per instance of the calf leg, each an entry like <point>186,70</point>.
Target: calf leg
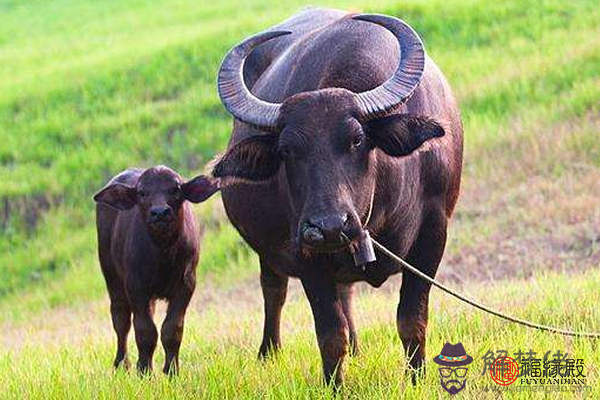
<point>146,334</point>
<point>274,290</point>
<point>425,255</point>
<point>171,332</point>
<point>346,293</point>
<point>121,319</point>
<point>330,323</point>
<point>120,311</point>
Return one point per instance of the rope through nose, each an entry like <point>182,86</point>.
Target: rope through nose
<point>370,212</point>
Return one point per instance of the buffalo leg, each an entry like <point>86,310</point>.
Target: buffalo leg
<point>146,335</point>
<point>412,316</point>
<point>330,323</point>
<point>121,319</point>
<point>274,290</point>
<point>346,294</point>
<point>171,332</point>
<point>120,310</point>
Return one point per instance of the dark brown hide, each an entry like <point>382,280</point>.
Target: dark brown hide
<point>148,244</point>
<point>321,164</point>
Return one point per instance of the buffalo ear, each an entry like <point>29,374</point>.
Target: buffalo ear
<point>117,195</point>
<point>400,135</point>
<point>199,188</point>
<point>253,159</point>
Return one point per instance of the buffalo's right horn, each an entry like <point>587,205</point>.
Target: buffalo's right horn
<point>234,93</point>
<point>397,89</point>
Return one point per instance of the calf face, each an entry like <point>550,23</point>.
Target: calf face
<point>159,195</point>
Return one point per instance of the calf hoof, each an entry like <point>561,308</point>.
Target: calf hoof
<point>335,380</point>
<point>171,370</point>
<point>122,363</point>
<point>267,350</point>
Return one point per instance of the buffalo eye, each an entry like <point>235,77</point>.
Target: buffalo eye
<point>141,194</point>
<point>174,191</point>
<point>358,141</point>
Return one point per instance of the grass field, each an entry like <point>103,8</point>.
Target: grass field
<point>88,88</point>
<point>72,355</point>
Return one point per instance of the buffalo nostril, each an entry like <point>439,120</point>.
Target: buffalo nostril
<point>327,228</point>
<point>312,234</point>
<point>159,212</point>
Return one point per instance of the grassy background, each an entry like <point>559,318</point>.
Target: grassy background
<point>219,350</point>
<point>88,88</point>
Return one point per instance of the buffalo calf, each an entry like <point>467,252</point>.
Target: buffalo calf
<point>148,244</point>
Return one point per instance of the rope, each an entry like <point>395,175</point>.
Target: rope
<point>370,212</point>
<point>478,305</point>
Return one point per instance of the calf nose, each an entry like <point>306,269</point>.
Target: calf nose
<point>324,229</point>
<point>160,212</point>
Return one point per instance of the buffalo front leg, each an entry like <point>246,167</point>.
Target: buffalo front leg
<point>346,294</point>
<point>121,320</point>
<point>171,333</point>
<point>120,310</point>
<point>146,334</point>
<point>412,316</point>
<point>274,290</point>
<point>330,323</point>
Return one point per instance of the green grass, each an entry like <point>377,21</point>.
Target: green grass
<point>221,342</point>
<point>88,88</point>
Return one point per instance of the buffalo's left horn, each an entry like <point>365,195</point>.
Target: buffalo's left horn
<point>379,101</point>
<point>234,93</point>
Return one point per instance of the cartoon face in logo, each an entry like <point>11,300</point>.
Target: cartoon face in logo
<point>452,361</point>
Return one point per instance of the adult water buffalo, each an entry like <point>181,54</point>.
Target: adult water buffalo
<point>330,140</point>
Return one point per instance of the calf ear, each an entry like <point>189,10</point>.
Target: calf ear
<point>400,135</point>
<point>117,195</point>
<point>199,188</point>
<point>253,159</point>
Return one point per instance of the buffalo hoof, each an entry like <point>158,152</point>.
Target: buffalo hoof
<point>122,363</point>
<point>267,351</point>
<point>416,375</point>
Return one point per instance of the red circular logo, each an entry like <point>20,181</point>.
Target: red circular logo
<point>504,371</point>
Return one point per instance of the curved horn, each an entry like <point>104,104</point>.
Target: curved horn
<point>379,101</point>
<point>236,97</point>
